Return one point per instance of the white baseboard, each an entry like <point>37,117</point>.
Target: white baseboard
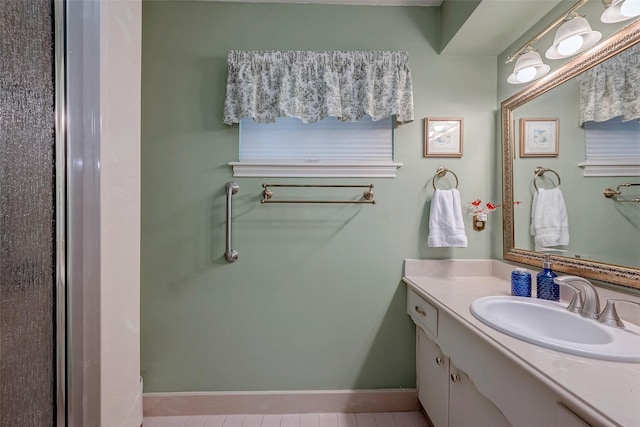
<point>279,402</point>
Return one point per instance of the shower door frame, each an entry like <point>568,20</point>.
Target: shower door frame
<point>77,150</point>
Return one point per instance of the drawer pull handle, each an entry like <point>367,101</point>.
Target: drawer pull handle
<point>420,311</point>
<point>439,360</point>
<point>455,378</point>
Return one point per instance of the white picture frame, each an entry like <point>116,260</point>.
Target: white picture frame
<point>539,137</point>
<point>443,136</point>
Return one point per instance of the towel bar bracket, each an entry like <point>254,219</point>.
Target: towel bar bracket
<point>609,193</point>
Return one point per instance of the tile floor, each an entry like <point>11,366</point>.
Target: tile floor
<point>378,419</point>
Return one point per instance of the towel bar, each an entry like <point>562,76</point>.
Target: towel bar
<point>367,196</point>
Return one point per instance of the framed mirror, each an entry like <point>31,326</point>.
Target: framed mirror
<point>591,259</point>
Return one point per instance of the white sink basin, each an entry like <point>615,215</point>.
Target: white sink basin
<point>549,324</point>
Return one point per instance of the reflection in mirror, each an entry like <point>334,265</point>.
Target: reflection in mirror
<point>591,236</point>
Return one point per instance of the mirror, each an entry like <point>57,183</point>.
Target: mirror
<point>587,255</point>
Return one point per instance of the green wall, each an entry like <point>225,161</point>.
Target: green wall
<point>315,300</point>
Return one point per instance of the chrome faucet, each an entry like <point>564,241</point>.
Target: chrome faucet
<point>591,306</point>
<point>609,315</point>
<point>576,304</point>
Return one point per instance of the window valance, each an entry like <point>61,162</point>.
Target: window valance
<point>314,85</point>
<point>612,88</point>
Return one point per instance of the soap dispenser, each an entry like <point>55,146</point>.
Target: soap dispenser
<point>545,287</point>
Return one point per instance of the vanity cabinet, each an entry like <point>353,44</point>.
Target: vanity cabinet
<point>447,393</point>
<point>462,380</point>
<point>432,370</point>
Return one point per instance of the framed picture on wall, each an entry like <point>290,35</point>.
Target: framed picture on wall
<point>539,137</point>
<point>443,137</point>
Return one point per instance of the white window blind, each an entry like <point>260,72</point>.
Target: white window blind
<point>612,148</point>
<point>328,148</point>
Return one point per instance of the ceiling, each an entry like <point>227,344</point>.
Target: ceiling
<point>495,24</point>
<point>488,31</point>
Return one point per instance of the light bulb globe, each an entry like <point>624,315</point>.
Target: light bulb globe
<point>526,74</point>
<point>630,8</point>
<point>570,45</point>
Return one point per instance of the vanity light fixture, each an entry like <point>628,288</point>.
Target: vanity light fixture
<point>527,57</point>
<point>529,67</point>
<point>620,10</point>
<point>574,36</point>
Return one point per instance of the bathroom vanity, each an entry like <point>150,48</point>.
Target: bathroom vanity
<point>470,374</point>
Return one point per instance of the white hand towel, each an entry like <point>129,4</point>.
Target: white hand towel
<point>446,228</point>
<point>549,220</point>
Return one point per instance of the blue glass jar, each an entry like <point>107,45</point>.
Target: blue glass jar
<point>520,283</point>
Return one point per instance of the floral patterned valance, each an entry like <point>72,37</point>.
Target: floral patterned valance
<point>612,88</point>
<point>314,85</point>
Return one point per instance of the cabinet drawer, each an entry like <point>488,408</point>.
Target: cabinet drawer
<point>423,313</point>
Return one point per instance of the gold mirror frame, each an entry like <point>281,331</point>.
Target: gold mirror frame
<point>611,273</point>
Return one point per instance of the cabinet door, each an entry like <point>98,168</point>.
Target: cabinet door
<point>566,418</point>
<point>433,379</point>
<point>467,407</point>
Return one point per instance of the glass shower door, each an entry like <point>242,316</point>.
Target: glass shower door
<point>27,215</point>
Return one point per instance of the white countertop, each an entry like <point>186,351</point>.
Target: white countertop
<point>608,389</point>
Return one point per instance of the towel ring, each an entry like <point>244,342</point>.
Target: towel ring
<point>539,171</point>
<point>440,172</point>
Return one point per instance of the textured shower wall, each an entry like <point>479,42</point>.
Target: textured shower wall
<point>26,214</point>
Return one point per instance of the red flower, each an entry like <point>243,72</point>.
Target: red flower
<point>491,206</point>
<point>476,202</point>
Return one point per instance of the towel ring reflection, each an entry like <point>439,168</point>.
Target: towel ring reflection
<point>539,171</point>
<point>440,172</point>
